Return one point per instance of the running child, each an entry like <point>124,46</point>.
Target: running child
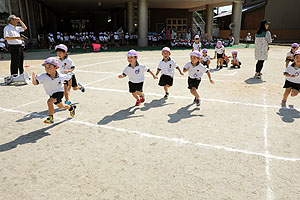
<point>166,67</point>
<point>66,66</point>
<point>53,84</point>
<point>290,54</point>
<point>235,60</point>
<point>135,73</point>
<point>197,44</point>
<point>205,58</point>
<point>220,54</point>
<point>196,71</point>
<point>2,47</point>
<point>292,79</point>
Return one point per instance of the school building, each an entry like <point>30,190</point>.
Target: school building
<point>44,16</point>
<point>283,15</point>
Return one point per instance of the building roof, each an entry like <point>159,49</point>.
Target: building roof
<point>245,9</point>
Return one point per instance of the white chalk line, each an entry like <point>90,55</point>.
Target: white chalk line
<point>190,97</point>
<point>178,141</point>
<point>176,77</point>
<point>87,84</point>
<point>269,194</point>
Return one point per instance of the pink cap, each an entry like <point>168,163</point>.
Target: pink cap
<point>51,60</point>
<point>219,44</point>
<point>204,51</point>
<point>166,49</point>
<point>196,53</point>
<point>297,53</point>
<point>62,46</point>
<point>197,37</point>
<point>132,52</point>
<point>234,52</point>
<point>295,45</point>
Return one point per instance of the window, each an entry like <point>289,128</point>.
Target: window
<point>179,23</point>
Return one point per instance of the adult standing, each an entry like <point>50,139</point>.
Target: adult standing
<point>262,40</point>
<point>14,40</point>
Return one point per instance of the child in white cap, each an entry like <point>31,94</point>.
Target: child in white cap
<point>135,73</point>
<point>197,44</point>
<point>196,71</point>
<point>205,58</point>
<point>66,66</point>
<point>248,40</point>
<point>292,79</point>
<point>54,86</point>
<point>2,47</point>
<point>166,67</point>
<point>219,54</point>
<point>290,55</point>
<point>235,60</point>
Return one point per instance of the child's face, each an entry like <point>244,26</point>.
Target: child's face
<point>194,59</point>
<point>295,49</point>
<point>204,53</point>
<point>166,54</point>
<point>50,69</point>
<point>297,59</point>
<point>233,55</point>
<point>60,54</point>
<point>197,40</point>
<point>131,59</point>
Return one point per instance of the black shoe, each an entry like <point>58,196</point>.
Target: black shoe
<point>166,95</point>
<point>195,100</point>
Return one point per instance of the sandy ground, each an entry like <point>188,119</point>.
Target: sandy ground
<point>240,144</point>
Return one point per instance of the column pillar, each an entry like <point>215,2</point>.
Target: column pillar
<point>237,7</point>
<point>143,23</point>
<point>209,20</point>
<point>130,17</point>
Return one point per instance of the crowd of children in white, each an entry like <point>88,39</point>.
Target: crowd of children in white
<point>58,85</point>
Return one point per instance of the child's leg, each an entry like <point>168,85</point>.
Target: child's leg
<point>286,93</point>
<point>64,106</point>
<point>194,92</point>
<point>294,93</point>
<point>208,63</point>
<point>135,95</point>
<point>50,104</point>
<point>166,88</point>
<point>67,88</point>
<point>139,93</point>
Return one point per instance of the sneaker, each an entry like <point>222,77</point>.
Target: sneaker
<point>283,103</point>
<point>138,102</point>
<point>195,100</point>
<point>68,102</point>
<point>82,89</point>
<point>198,102</point>
<point>257,75</point>
<point>49,120</point>
<point>166,95</point>
<point>142,100</point>
<point>72,110</point>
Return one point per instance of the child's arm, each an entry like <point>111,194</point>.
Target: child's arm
<point>215,55</point>
<point>155,77</point>
<point>178,68</point>
<point>122,76</point>
<point>209,76</point>
<point>157,72</point>
<point>287,63</point>
<point>289,75</point>
<point>186,69</point>
<point>34,79</point>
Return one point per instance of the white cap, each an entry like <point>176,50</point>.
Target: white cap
<point>197,37</point>
<point>166,49</point>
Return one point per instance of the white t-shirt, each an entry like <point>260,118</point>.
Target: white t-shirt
<point>205,58</point>
<point>220,50</point>
<point>136,74</point>
<point>66,64</point>
<point>66,38</point>
<point>290,54</point>
<point>237,58</point>
<point>52,86</point>
<point>293,71</point>
<point>248,38</point>
<point>2,45</point>
<point>167,68</point>
<point>13,31</point>
<point>197,47</point>
<point>195,72</point>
